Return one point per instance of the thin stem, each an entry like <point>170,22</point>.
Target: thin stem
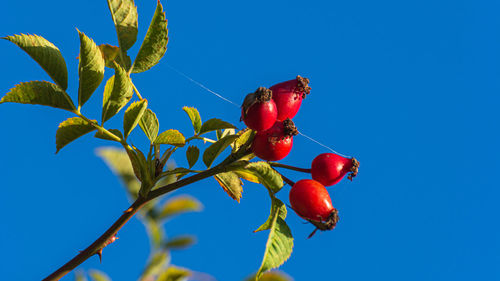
<point>136,91</point>
<point>279,165</point>
<point>100,128</point>
<point>207,140</point>
<point>196,137</point>
<point>287,180</point>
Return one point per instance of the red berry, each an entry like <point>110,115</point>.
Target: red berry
<point>259,110</point>
<point>275,143</point>
<point>288,96</point>
<point>311,201</point>
<point>330,168</point>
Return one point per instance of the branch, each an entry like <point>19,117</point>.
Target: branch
<point>101,242</point>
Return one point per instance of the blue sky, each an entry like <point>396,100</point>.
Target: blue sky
<point>408,87</point>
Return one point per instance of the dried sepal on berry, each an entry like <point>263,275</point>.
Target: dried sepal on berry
<point>259,110</point>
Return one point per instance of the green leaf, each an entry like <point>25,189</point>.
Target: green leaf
<point>79,276</point>
<point>70,130</point>
<point>117,93</point>
<point>155,266</point>
<point>245,138</point>
<point>132,116</point>
<point>194,115</point>
<point>90,68</point>
<point>192,154</point>
<point>215,149</point>
<point>119,163</point>
<point>173,273</point>
<point>155,232</point>
<point>97,275</point>
<point>276,206</point>
<point>178,205</point>
<point>109,53</point>
<point>180,242</point>
<point>124,14</point>
<point>172,137</point>
<point>149,125</point>
<point>279,244</point>
<point>103,136</point>
<point>215,124</point>
<point>154,45</point>
<point>145,170</point>
<point>46,54</point>
<point>270,276</point>
<point>221,134</point>
<point>39,92</point>
<point>137,166</point>
<point>231,184</point>
<point>261,172</point>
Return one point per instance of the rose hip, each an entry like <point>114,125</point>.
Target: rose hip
<point>311,201</point>
<point>259,110</point>
<point>330,168</point>
<point>288,96</point>
<point>275,143</point>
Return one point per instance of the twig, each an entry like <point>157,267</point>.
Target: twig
<point>287,180</point>
<point>279,165</point>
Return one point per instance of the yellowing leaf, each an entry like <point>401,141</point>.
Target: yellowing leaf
<point>231,184</point>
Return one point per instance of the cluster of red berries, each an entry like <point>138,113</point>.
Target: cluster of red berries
<point>269,113</point>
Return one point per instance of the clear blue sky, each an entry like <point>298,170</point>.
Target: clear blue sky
<point>411,88</point>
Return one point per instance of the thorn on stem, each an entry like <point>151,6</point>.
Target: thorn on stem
<point>99,253</point>
<point>109,241</point>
